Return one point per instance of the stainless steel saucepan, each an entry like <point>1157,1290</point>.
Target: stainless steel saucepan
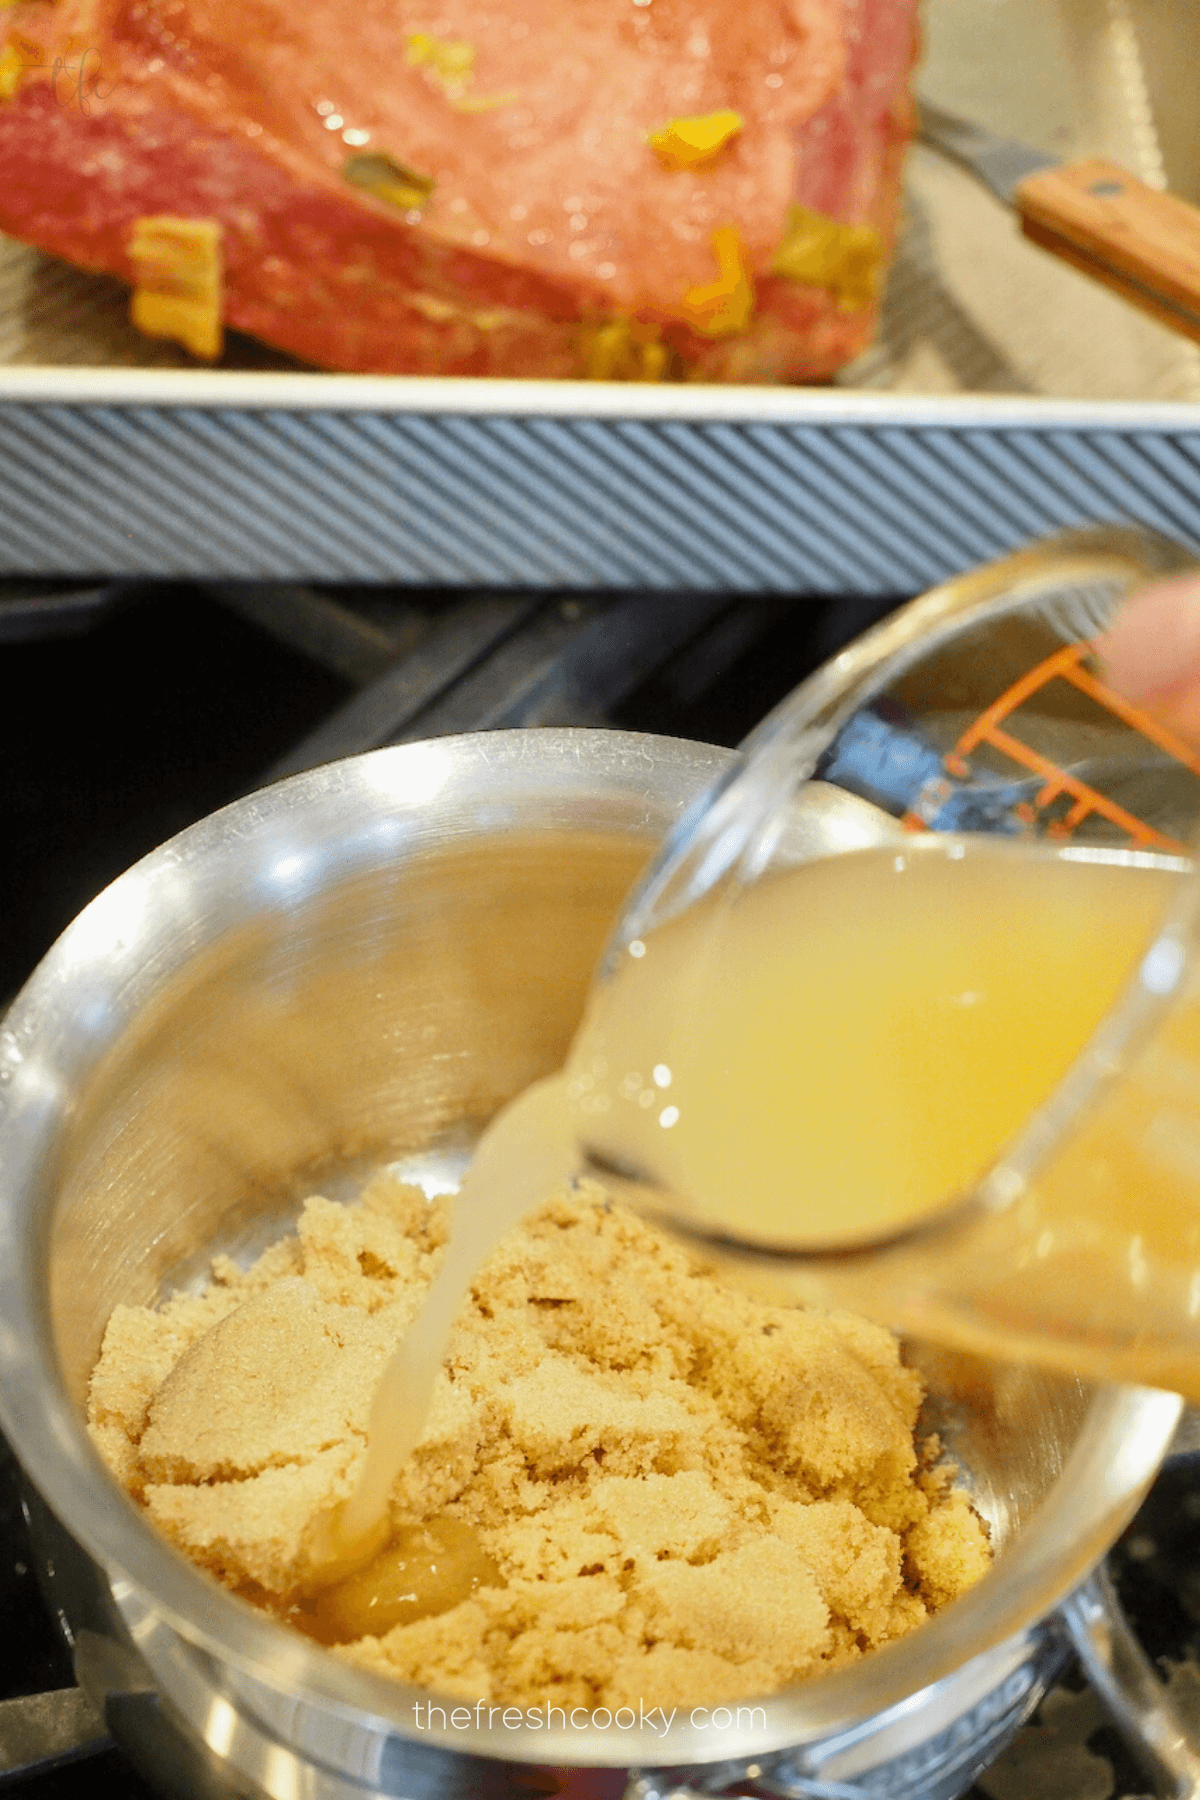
<point>360,965</point>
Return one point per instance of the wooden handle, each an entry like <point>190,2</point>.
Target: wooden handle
<point>1102,219</point>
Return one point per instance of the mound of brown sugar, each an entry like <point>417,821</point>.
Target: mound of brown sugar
<point>691,1496</point>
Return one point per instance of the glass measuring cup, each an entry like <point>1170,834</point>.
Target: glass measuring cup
<point>977,710</point>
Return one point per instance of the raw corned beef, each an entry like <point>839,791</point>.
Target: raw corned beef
<point>622,189</point>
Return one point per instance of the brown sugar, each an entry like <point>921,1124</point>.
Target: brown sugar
<point>672,1492</point>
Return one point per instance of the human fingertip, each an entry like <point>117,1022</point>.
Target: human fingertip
<point>1151,651</point>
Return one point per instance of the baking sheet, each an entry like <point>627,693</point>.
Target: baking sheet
<point>1006,397</point>
<point>971,306</point>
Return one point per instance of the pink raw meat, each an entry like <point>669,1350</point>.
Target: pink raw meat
<point>550,215</point>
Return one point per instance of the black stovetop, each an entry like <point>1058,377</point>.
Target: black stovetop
<point>130,713</point>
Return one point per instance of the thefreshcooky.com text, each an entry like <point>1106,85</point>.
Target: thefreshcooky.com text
<point>481,1716</point>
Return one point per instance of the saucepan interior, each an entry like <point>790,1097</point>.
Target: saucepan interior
<point>357,967</point>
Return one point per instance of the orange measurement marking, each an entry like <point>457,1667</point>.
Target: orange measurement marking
<point>1140,832</point>
<point>1015,696</point>
<point>1133,715</point>
<point>1066,665</point>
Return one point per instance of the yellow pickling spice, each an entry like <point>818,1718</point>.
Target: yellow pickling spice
<point>441,312</point>
<point>177,281</point>
<point>12,67</point>
<point>481,103</point>
<point>682,143</point>
<point>821,252</point>
<point>388,180</point>
<point>449,65</point>
<point>725,306</point>
<point>626,350</point>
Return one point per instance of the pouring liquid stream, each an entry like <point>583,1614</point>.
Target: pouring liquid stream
<point>823,1059</point>
<point>526,1153</point>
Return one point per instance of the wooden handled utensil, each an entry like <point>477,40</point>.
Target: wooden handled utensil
<point>1143,244</point>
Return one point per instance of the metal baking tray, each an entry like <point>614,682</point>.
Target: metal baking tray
<point>1005,396</point>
